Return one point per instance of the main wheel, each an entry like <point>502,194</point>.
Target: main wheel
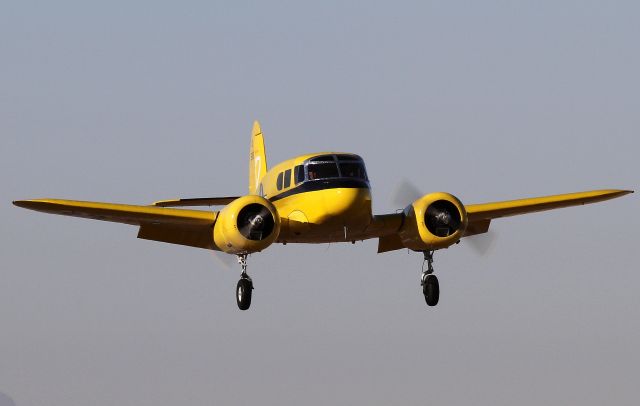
<point>431,290</point>
<point>243,293</point>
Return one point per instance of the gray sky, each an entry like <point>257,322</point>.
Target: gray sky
<point>135,102</point>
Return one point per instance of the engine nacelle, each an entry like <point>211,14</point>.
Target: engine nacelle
<point>434,221</point>
<point>248,224</point>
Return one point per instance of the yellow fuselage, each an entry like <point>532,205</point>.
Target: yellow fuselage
<point>324,209</point>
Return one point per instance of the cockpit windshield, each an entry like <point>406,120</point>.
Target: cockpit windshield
<point>336,166</point>
<point>352,170</point>
<point>322,170</point>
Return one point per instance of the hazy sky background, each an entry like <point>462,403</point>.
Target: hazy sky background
<point>138,101</point>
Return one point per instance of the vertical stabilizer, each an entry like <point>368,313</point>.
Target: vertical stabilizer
<point>257,158</point>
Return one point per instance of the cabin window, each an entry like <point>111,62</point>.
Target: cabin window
<point>298,174</point>
<point>322,171</point>
<point>287,178</point>
<point>279,181</point>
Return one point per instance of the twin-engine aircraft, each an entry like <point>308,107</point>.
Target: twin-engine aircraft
<point>313,198</point>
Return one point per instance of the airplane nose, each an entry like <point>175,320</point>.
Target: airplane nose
<point>345,201</point>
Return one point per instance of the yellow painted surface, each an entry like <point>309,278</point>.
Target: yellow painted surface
<point>318,216</point>
<point>120,213</point>
<point>257,158</point>
<point>535,204</point>
<point>327,212</point>
<point>414,233</point>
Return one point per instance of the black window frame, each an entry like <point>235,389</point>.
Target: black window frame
<point>322,158</point>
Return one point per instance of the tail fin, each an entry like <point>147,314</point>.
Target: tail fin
<point>257,159</point>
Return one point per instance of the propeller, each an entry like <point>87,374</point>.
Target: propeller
<point>482,244</point>
<point>255,222</point>
<point>227,261</point>
<point>442,218</point>
<point>405,193</point>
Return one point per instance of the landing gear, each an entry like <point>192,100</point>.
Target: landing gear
<point>429,282</point>
<point>244,286</point>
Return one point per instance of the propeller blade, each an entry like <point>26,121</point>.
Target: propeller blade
<point>254,223</point>
<point>404,194</point>
<point>227,261</point>
<point>482,244</point>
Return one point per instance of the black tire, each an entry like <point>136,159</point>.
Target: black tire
<point>243,293</point>
<point>431,290</point>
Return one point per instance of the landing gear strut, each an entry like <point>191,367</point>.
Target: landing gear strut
<point>245,285</point>
<point>429,282</point>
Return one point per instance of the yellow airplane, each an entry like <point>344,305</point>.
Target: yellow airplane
<point>313,198</point>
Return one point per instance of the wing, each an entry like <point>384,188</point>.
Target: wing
<point>177,226</point>
<point>480,215</point>
<point>488,211</point>
<point>198,201</point>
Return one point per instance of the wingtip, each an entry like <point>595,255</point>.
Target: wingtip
<point>20,203</point>
<point>32,203</point>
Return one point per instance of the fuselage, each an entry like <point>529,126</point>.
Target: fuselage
<point>321,197</point>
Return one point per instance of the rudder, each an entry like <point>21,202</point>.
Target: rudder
<point>257,159</point>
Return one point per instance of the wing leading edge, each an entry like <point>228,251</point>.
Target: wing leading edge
<point>488,211</point>
<point>197,201</point>
<point>177,226</point>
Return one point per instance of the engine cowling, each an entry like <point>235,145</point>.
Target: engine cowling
<point>434,221</point>
<point>247,224</point>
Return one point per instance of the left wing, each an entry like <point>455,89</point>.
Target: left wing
<point>198,201</point>
<point>488,211</point>
<point>177,226</point>
<point>386,227</point>
<point>480,215</point>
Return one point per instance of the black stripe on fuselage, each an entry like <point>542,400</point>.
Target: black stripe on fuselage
<point>323,184</point>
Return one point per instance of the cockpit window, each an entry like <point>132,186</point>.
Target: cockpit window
<point>334,166</point>
<point>322,171</point>
<point>353,170</point>
<point>345,157</point>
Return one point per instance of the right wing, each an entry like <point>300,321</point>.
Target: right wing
<point>177,226</point>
